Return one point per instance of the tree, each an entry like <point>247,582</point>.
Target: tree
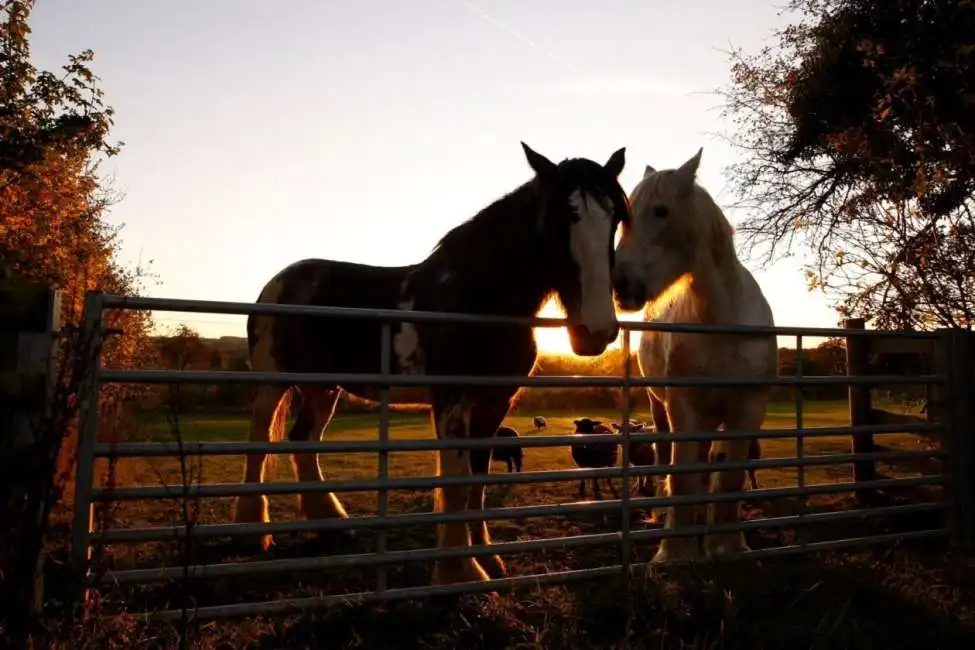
<point>858,129</point>
<point>184,350</point>
<point>54,131</point>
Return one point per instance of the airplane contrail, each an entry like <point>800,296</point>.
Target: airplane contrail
<point>477,11</point>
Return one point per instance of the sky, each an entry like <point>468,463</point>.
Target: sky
<point>261,132</point>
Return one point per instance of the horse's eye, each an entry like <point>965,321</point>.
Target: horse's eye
<point>660,211</point>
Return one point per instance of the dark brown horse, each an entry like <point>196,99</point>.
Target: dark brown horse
<point>552,235</point>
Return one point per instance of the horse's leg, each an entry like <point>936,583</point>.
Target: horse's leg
<point>681,416</point>
<point>662,452</point>
<point>317,407</point>
<point>487,416</point>
<point>748,412</point>
<point>452,418</point>
<point>252,508</point>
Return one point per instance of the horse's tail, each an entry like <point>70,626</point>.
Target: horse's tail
<point>280,418</point>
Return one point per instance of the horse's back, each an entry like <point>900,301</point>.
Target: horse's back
<point>307,344</point>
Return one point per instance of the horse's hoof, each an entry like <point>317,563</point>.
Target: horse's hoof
<point>726,544</point>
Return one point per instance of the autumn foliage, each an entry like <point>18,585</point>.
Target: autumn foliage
<point>857,129</point>
<point>54,133</point>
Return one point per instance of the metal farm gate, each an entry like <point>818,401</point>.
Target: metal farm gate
<point>951,382</point>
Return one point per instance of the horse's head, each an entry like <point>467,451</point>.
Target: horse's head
<point>582,203</point>
<point>674,222</point>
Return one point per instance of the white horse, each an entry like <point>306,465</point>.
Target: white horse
<point>677,257</point>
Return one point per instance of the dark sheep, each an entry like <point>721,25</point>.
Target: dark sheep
<point>596,455</point>
<point>642,454</point>
<point>510,454</point>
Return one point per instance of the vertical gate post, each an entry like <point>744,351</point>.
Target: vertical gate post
<point>956,354</point>
<point>857,358</point>
<point>89,391</point>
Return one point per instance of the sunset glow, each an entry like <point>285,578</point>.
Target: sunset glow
<point>556,341</point>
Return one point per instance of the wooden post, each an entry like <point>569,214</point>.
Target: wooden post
<point>857,365</point>
<point>956,409</point>
<point>29,318</point>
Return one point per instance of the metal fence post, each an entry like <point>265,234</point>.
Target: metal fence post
<point>626,545</point>
<point>382,503</point>
<point>857,365</point>
<point>90,349</point>
<point>955,357</point>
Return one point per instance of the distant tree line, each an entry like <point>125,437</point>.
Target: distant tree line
<point>185,349</point>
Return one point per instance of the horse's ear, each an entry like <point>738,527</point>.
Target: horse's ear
<point>544,167</point>
<point>614,166</point>
<point>577,422</point>
<point>648,170</point>
<point>686,173</point>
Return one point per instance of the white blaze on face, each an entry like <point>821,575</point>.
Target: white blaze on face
<point>589,241</point>
<point>406,346</point>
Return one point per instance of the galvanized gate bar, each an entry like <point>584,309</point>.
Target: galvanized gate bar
<point>382,470</point>
<point>87,436</point>
<point>360,560</point>
<point>537,381</point>
<point>189,448</point>
<point>111,301</point>
<point>508,512</point>
<point>298,605</point>
<point>425,482</point>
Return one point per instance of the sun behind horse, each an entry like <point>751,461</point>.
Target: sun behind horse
<point>552,235</point>
<point>677,252</point>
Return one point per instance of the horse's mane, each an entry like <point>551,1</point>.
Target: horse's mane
<point>502,216</point>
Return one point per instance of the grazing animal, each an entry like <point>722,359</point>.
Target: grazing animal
<point>510,454</point>
<point>539,422</point>
<point>553,235</point>
<point>595,455</point>
<point>642,454</point>
<point>677,257</point>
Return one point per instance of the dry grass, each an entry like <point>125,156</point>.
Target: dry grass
<point>835,601</point>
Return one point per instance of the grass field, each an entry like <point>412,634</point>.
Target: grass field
<point>584,616</point>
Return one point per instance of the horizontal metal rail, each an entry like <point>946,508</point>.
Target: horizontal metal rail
<point>112,301</point>
<point>199,531</point>
<point>191,448</point>
<point>427,482</point>
<point>537,381</point>
<point>362,560</point>
<point>297,605</point>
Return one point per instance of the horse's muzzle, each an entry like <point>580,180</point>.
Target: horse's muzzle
<point>588,343</point>
<point>631,294</point>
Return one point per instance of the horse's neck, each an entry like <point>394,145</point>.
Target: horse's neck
<point>717,290</point>
<point>504,270</point>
